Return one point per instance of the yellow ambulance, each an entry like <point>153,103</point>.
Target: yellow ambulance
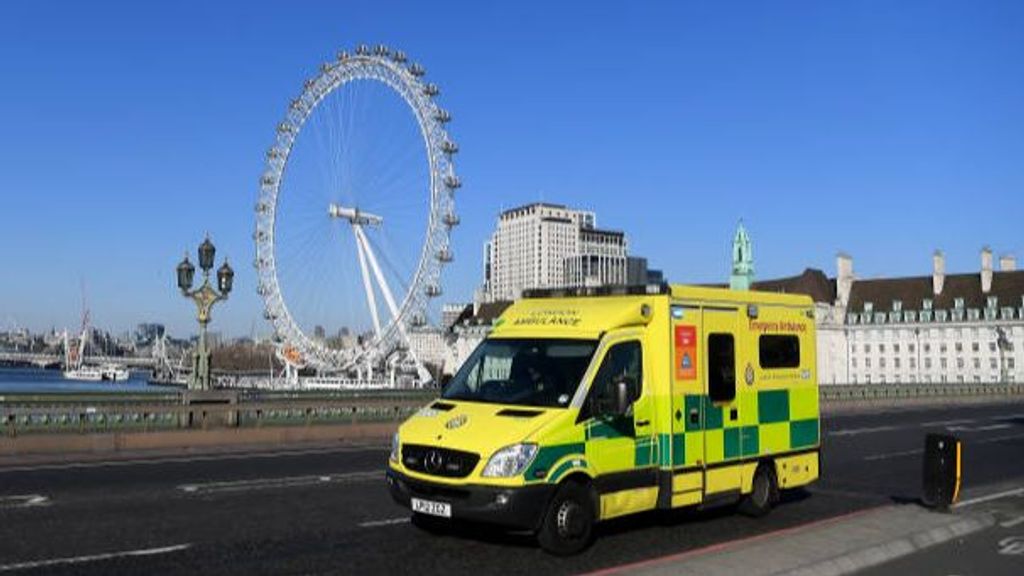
<point>584,405</point>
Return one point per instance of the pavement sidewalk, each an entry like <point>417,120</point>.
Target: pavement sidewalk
<point>833,546</point>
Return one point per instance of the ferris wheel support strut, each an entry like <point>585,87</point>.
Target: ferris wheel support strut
<point>371,298</point>
<point>364,248</point>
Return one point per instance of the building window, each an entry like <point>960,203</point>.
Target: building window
<point>960,363</point>
<point>977,363</point>
<point>913,362</point>
<point>881,348</point>
<point>958,303</point>
<point>867,348</point>
<point>991,346</point>
<point>927,347</point>
<point>867,362</point>
<point>895,348</point>
<point>959,346</point>
<point>926,303</point>
<point>896,363</point>
<point>911,347</point>
<point>943,363</point>
<point>928,363</point>
<point>853,362</point>
<point>881,362</point>
<point>992,363</point>
<point>992,301</point>
<point>869,307</point>
<point>1010,363</point>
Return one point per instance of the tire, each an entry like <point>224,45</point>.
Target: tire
<point>568,524</point>
<point>764,492</point>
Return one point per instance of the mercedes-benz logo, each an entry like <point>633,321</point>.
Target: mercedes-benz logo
<point>433,461</point>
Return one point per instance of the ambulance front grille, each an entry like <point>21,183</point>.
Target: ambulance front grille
<point>438,461</point>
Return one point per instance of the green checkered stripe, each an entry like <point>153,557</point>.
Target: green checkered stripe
<point>769,422</point>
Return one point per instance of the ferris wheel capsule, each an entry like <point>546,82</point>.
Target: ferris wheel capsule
<point>381,50</point>
<point>417,70</point>
<point>451,220</point>
<point>431,90</point>
<point>363,50</point>
<point>452,182</point>
<point>399,56</point>
<point>445,255</point>
<point>432,290</point>
<point>342,56</point>
<point>442,116</point>
<point>449,147</point>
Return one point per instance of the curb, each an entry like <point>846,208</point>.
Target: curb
<point>882,553</point>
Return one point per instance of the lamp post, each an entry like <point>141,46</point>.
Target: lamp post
<point>204,297</point>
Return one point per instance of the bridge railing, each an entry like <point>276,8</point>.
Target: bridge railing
<point>111,412</point>
<point>881,392</point>
<point>50,413</point>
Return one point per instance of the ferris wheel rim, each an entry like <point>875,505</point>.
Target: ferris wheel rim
<point>390,69</point>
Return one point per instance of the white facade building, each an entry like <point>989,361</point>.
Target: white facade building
<point>549,245</point>
<point>946,328</point>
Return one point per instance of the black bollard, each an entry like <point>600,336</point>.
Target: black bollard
<point>941,479</point>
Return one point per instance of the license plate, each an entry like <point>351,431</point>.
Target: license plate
<point>442,509</point>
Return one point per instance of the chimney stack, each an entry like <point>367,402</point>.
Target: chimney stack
<point>986,270</point>
<point>844,278</point>
<point>938,271</point>
<point>1007,263</point>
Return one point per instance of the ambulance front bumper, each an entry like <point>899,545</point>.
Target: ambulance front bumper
<point>519,508</point>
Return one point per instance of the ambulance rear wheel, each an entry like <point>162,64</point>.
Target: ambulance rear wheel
<point>764,492</point>
<point>568,524</point>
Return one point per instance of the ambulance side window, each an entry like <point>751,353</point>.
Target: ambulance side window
<point>622,362</point>
<point>721,367</point>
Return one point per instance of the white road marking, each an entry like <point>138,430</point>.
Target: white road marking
<point>1012,546</point>
<point>1012,523</point>
<point>284,482</point>
<point>894,454</point>
<point>184,459</point>
<point>1009,417</point>
<point>24,501</point>
<point>989,498</point>
<point>967,445</point>
<point>979,428</point>
<point>947,423</point>
<point>856,431</point>
<point>92,558</point>
<point>388,522</point>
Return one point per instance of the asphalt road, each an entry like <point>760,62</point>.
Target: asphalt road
<point>328,511</point>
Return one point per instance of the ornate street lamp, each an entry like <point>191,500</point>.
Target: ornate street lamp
<point>204,297</point>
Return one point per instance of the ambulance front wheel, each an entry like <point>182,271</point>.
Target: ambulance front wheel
<point>568,524</point>
<point>764,492</point>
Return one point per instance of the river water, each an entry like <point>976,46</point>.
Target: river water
<point>29,380</point>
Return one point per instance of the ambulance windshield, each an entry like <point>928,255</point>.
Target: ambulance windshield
<point>525,372</point>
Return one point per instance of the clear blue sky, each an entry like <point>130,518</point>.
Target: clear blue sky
<point>885,129</point>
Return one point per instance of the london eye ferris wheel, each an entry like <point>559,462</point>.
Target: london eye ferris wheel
<point>355,209</point>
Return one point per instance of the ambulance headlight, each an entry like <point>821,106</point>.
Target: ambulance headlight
<point>394,448</point>
<point>510,460</point>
